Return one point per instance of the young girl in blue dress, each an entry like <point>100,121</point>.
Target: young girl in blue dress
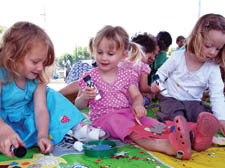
<point>31,114</point>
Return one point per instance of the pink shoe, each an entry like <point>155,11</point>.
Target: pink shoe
<point>207,126</point>
<point>180,138</point>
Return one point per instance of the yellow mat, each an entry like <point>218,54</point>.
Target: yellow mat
<point>214,157</point>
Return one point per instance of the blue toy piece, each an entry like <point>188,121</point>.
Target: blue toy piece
<point>101,147</point>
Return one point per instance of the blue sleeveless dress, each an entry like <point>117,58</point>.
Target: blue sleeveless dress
<point>17,110</point>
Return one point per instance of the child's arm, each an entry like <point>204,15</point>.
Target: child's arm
<point>81,101</point>
<point>70,91</point>
<point>138,102</point>
<point>42,119</point>
<point>8,136</point>
<point>216,87</point>
<point>222,126</point>
<point>145,88</point>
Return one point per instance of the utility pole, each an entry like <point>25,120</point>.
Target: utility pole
<point>44,16</point>
<point>199,8</point>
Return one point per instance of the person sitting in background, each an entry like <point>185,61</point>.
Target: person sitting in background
<point>148,45</point>
<point>68,67</point>
<point>180,43</point>
<point>164,41</point>
<point>70,91</point>
<point>77,70</point>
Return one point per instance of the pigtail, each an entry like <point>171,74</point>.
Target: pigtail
<point>135,53</point>
<point>91,47</point>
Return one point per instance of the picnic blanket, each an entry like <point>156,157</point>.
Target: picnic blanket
<point>127,156</point>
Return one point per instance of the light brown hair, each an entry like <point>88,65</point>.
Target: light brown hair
<point>114,34</point>
<point>200,31</point>
<point>19,40</point>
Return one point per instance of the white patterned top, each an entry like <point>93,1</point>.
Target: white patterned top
<point>184,85</point>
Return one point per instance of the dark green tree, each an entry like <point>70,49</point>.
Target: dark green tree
<point>170,51</point>
<point>61,61</point>
<point>2,29</point>
<point>79,53</point>
<point>86,53</point>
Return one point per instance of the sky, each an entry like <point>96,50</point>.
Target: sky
<point>71,23</point>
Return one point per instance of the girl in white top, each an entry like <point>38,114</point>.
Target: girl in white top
<point>188,73</point>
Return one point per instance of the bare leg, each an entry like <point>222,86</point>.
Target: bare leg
<point>156,145</point>
<point>178,143</point>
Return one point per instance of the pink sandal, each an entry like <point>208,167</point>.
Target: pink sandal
<point>207,126</point>
<point>180,138</point>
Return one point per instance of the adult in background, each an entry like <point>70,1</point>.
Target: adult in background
<point>180,40</point>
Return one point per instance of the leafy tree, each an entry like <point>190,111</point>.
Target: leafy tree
<point>86,53</point>
<point>2,29</point>
<point>79,53</point>
<point>61,61</point>
<point>170,51</point>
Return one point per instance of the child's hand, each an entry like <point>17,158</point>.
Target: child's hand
<point>45,145</point>
<point>155,88</point>
<point>222,126</point>
<point>139,111</point>
<point>89,93</point>
<point>150,96</point>
<point>9,137</point>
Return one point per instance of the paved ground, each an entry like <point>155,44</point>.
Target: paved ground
<point>57,84</point>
